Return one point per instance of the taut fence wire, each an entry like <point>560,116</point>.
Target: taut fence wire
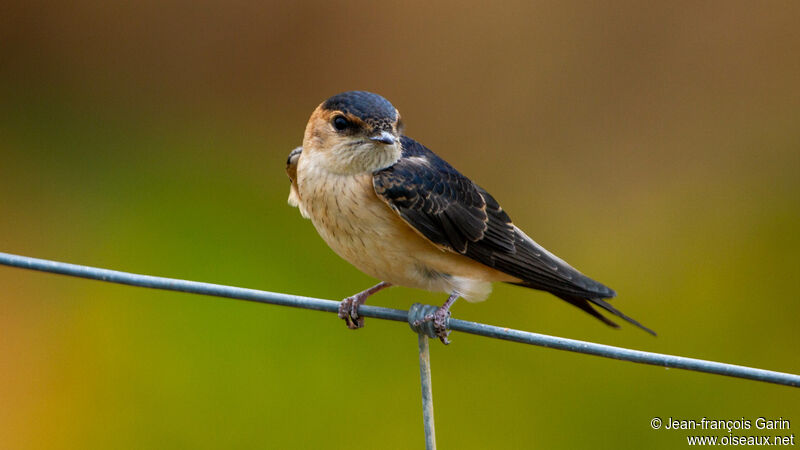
<point>377,312</point>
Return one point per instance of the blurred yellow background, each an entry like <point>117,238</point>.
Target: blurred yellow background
<point>655,146</point>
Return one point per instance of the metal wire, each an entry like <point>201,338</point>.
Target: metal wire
<point>377,312</point>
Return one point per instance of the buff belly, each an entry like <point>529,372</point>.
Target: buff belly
<point>363,230</point>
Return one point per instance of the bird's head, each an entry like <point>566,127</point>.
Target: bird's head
<point>353,132</point>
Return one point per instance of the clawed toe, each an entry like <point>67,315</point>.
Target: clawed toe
<point>440,324</point>
<point>348,310</point>
<point>439,319</point>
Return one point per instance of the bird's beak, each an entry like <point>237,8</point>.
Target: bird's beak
<point>384,138</point>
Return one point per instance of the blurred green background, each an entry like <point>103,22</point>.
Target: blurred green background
<point>655,146</point>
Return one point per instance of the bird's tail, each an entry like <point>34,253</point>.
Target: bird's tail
<point>586,305</point>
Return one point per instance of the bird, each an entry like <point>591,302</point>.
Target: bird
<point>396,211</point>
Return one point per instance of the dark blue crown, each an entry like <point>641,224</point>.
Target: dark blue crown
<point>369,107</point>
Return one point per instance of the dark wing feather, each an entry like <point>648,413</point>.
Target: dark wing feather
<point>291,170</point>
<point>291,163</point>
<point>454,213</point>
<point>434,198</point>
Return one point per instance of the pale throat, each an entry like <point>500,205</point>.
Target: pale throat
<point>352,159</point>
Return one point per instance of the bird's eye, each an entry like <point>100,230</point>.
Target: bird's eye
<point>340,123</point>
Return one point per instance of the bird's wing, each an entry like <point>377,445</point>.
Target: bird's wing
<point>441,204</point>
<point>291,170</point>
<point>454,213</point>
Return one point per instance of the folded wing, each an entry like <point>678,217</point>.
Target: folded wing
<point>455,214</point>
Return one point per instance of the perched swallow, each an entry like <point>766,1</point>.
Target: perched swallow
<point>399,213</point>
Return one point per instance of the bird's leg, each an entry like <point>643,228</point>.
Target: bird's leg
<point>439,318</point>
<point>348,308</point>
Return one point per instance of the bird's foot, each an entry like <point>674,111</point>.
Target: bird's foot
<point>348,308</point>
<point>440,319</point>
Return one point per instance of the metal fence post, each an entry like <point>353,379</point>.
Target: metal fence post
<point>425,330</point>
<point>427,394</point>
